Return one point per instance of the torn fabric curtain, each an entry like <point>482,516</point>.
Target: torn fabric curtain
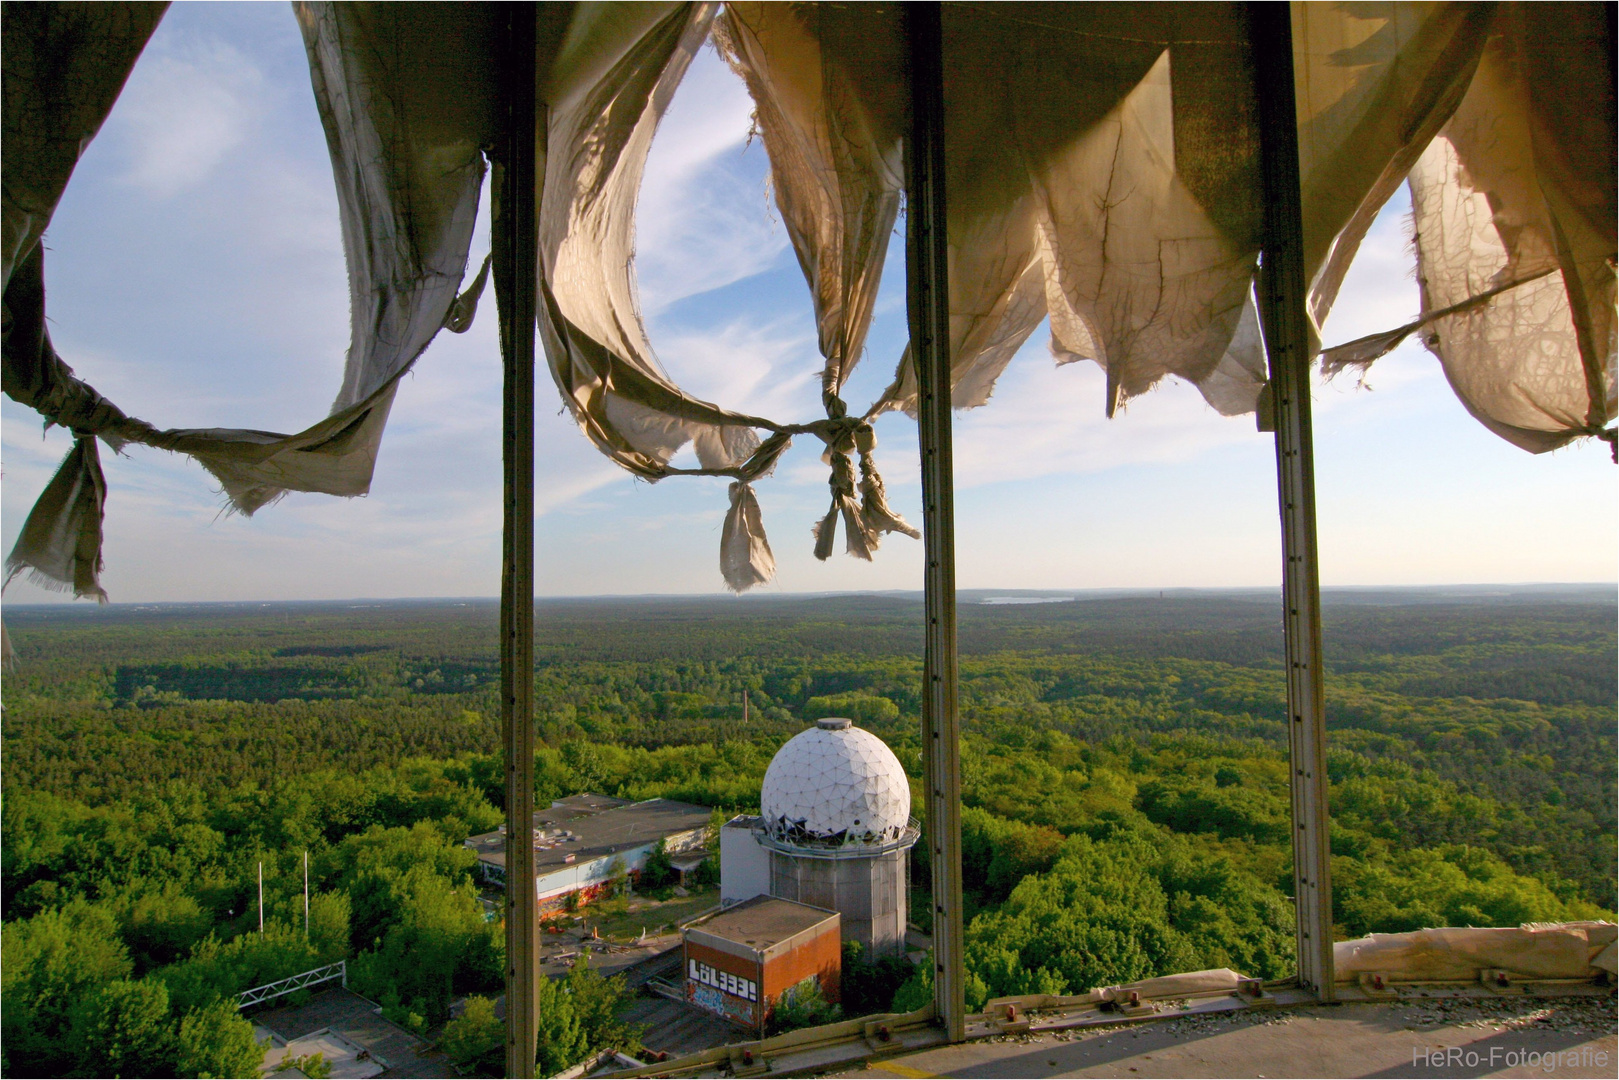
<point>64,66</point>
<point>601,117</point>
<point>1102,170</point>
<point>829,88</point>
<point>60,542</point>
<point>599,131</point>
<point>407,100</point>
<point>1519,190</point>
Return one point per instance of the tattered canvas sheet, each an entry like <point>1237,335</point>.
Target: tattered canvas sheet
<point>602,114</point>
<point>1103,171</point>
<point>1183,984</point>
<point>837,182</point>
<point>1186,983</point>
<point>606,93</point>
<point>65,65</point>
<point>1499,208</point>
<point>1543,951</point>
<point>830,104</point>
<point>1373,82</point>
<point>828,83</point>
<point>1600,937</point>
<point>406,96</point>
<point>1067,176</point>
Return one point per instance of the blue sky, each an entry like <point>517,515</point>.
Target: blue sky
<point>195,276</point>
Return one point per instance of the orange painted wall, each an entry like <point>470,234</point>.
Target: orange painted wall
<point>819,955</point>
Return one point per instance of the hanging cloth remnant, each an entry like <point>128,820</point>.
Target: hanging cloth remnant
<point>406,154</point>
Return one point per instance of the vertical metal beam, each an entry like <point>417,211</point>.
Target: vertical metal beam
<point>1282,291</point>
<point>515,242</point>
<point>928,300</point>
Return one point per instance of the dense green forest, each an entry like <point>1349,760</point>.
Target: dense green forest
<point>1124,772</point>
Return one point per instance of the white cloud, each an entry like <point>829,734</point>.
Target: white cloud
<point>704,218</point>
<point>767,368</point>
<point>1046,420</point>
<point>185,109</point>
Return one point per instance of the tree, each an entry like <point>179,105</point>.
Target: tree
<point>51,961</point>
<point>329,925</point>
<point>658,871</point>
<point>377,862</point>
<point>123,1028</point>
<point>561,1041</point>
<point>214,1040</point>
<point>868,986</point>
<point>223,970</point>
<point>802,1006</point>
<point>161,926</point>
<point>438,944</point>
<point>477,1037</point>
<point>596,1000</point>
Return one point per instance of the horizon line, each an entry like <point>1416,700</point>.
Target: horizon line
<point>1054,592</point>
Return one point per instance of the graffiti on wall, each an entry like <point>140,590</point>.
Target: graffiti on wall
<point>715,1000</point>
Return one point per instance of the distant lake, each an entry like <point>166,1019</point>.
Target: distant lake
<point>1026,600</point>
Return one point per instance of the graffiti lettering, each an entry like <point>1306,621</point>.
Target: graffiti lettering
<point>735,985</point>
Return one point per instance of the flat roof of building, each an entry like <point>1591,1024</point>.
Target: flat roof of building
<point>588,827</point>
<point>764,921</point>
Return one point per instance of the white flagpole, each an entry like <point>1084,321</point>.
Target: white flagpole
<point>306,896</point>
<point>261,896</point>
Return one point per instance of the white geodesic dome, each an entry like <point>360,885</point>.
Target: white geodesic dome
<point>835,784</point>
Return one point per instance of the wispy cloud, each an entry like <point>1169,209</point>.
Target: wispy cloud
<point>768,368</point>
<point>699,224</point>
<point>188,105</point>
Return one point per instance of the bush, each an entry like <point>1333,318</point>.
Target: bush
<point>618,879</point>
<point>802,1006</point>
<point>315,1066</point>
<point>918,989</point>
<point>707,873</point>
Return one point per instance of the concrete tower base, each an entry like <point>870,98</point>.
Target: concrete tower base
<point>870,892</point>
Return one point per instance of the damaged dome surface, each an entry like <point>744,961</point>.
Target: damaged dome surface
<point>835,784</point>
